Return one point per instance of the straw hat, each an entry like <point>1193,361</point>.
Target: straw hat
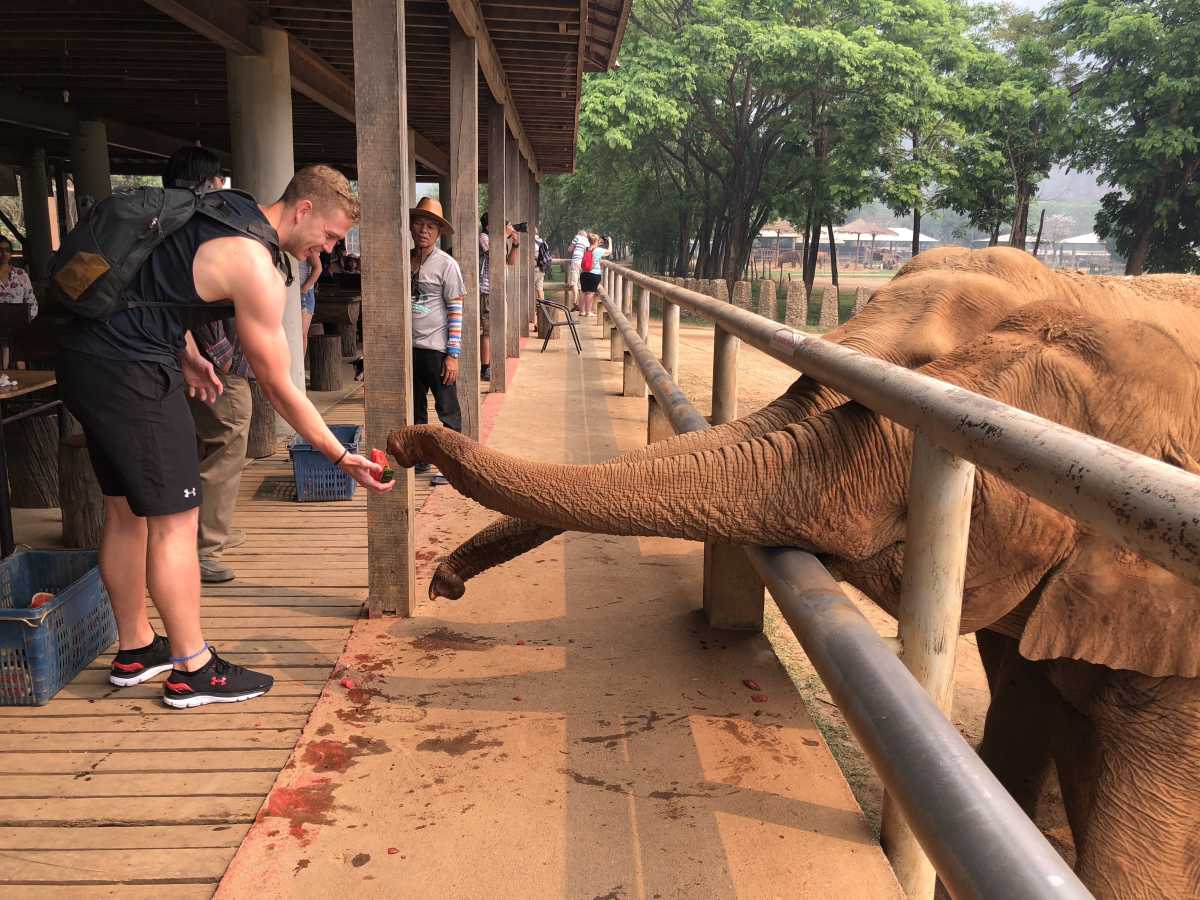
<point>431,209</point>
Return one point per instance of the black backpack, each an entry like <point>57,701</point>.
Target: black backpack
<point>544,259</point>
<point>99,257</point>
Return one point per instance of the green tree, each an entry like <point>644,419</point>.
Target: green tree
<point>1138,121</point>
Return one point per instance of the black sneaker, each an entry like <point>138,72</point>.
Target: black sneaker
<point>130,667</point>
<point>422,468</point>
<point>217,681</point>
<point>485,373</point>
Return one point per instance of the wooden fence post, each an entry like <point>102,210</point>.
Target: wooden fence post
<point>935,560</point>
<point>733,592</point>
<point>381,101</point>
<point>670,338</point>
<point>633,383</point>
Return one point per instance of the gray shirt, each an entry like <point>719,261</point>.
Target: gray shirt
<point>437,304</point>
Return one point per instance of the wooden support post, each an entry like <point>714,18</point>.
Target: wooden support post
<point>670,338</point>
<point>733,592</point>
<point>935,560</point>
<point>498,299</point>
<point>79,494</point>
<point>633,383</point>
<point>325,362</point>
<point>260,442</point>
<point>521,214</point>
<point>616,345</point>
<point>464,211</point>
<point>643,313</point>
<point>381,103</point>
<point>512,191</point>
<point>658,423</point>
<point>445,191</point>
<point>35,201</point>
<point>627,298</point>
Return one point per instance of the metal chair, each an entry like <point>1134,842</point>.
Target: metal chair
<point>547,307</point>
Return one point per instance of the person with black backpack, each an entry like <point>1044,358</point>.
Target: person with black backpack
<point>141,269</point>
<point>542,264</point>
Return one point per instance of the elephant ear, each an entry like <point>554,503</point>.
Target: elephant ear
<point>1107,605</point>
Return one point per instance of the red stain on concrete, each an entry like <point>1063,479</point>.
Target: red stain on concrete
<point>307,804</point>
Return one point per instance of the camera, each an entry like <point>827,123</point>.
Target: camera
<point>521,227</point>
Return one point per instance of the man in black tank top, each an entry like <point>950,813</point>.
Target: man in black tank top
<point>127,379</point>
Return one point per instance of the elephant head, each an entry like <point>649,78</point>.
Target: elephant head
<point>835,481</point>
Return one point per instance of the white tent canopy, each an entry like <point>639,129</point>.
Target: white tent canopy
<point>902,236</point>
<point>1089,238</point>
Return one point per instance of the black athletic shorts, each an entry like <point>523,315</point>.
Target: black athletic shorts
<point>589,282</point>
<point>140,433</point>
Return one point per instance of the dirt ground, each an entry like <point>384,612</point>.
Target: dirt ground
<point>760,380</point>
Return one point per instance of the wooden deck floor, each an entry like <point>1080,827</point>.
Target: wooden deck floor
<point>105,792</point>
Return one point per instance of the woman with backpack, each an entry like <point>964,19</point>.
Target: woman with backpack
<point>589,273</point>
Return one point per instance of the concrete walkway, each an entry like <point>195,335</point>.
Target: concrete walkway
<point>570,728</point>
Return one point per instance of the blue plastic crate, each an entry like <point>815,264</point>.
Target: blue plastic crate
<point>43,649</point>
<point>316,477</point>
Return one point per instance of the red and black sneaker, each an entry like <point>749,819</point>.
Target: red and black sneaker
<point>130,667</point>
<point>217,681</point>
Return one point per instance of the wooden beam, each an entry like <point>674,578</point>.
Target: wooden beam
<point>58,119</point>
<point>381,97</point>
<point>228,24</point>
<point>313,77</point>
<point>470,18</point>
<point>512,194</point>
<point>464,212</point>
<point>498,298</point>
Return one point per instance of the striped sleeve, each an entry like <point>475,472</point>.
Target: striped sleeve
<point>454,322</point>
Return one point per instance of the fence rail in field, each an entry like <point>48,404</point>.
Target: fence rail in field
<point>941,798</point>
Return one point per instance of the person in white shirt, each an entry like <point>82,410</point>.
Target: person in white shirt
<point>578,247</point>
<point>15,287</point>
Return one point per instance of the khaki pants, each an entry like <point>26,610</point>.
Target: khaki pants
<point>222,430</point>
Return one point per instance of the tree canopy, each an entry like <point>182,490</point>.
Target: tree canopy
<point>725,114</point>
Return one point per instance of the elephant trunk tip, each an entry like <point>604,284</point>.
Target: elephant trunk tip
<point>446,583</point>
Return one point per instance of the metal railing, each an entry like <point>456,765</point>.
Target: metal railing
<point>974,834</point>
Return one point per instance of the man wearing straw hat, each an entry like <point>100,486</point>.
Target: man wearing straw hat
<point>437,308</point>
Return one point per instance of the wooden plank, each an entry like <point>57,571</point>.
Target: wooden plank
<point>256,739</point>
<point>131,811</point>
<point>139,762</point>
<point>115,706</point>
<point>105,892</point>
<point>121,837</point>
<point>185,784</point>
<point>464,212</point>
<point>498,300</point>
<point>181,722</point>
<point>86,689</point>
<point>67,867</point>
<point>381,96</point>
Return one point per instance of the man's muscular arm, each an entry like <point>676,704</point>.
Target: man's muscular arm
<point>240,269</point>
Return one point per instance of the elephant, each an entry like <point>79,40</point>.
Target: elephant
<point>1089,650</point>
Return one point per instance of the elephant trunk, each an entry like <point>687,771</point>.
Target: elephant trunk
<point>785,487</point>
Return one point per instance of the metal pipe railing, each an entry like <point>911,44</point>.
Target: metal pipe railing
<point>979,840</point>
<point>1140,503</point>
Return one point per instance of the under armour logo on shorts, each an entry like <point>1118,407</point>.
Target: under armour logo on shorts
<point>189,492</point>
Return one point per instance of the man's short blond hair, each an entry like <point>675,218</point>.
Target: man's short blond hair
<point>323,186</point>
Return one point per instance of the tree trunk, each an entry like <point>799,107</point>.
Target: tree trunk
<point>261,441</point>
<point>995,239</point>
<point>916,242</point>
<point>32,446</point>
<point>1143,228</point>
<point>82,502</point>
<point>1020,222</point>
<point>1037,242</point>
<point>325,362</point>
<point>833,270</point>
